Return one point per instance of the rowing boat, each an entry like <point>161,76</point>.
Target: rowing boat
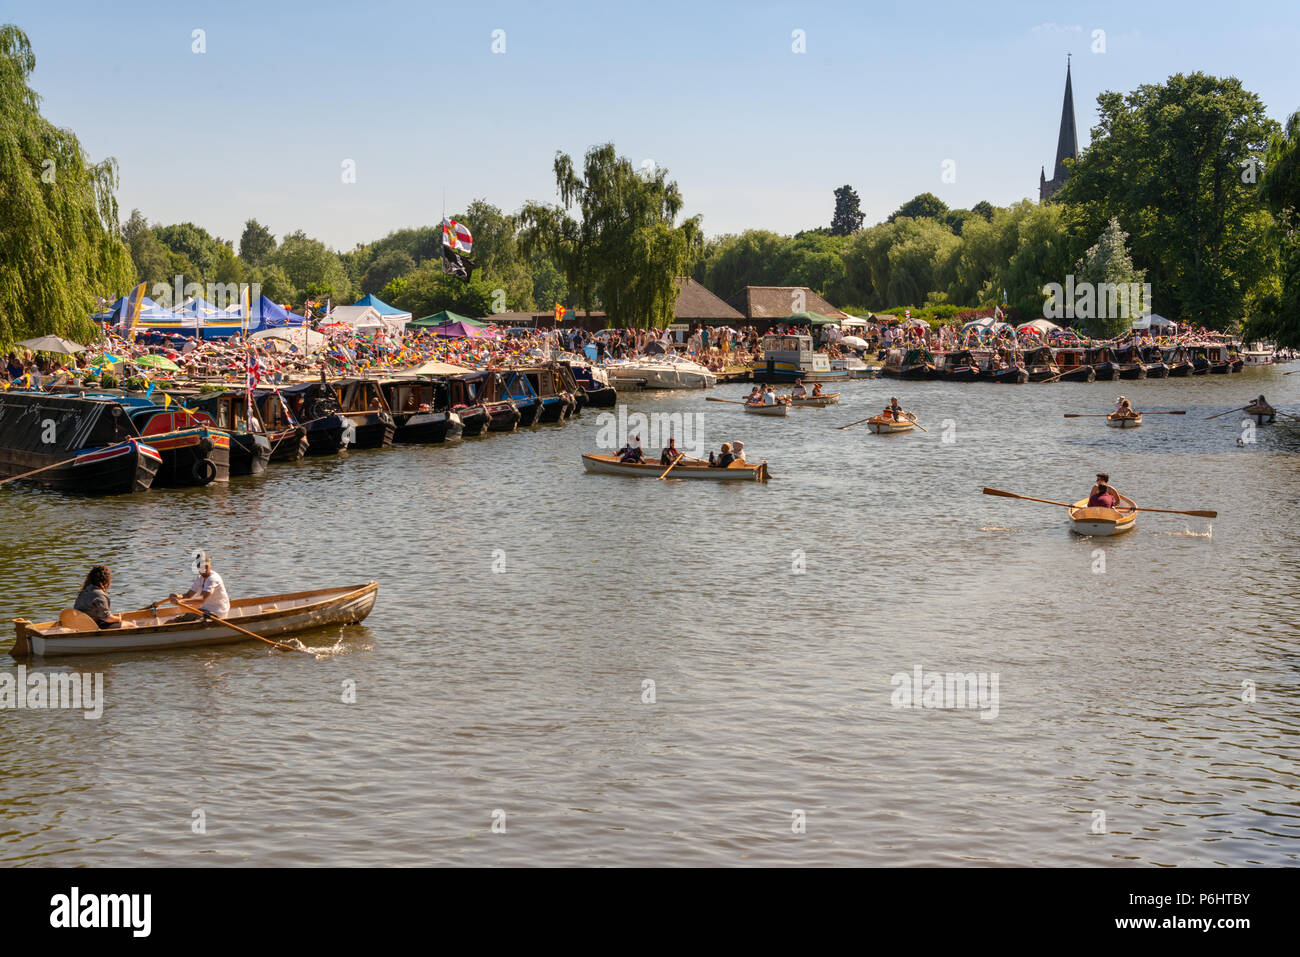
<point>817,401</point>
<point>150,630</point>
<point>735,472</point>
<point>1124,421</point>
<point>778,409</point>
<point>1261,412</point>
<point>885,424</point>
<point>1103,521</point>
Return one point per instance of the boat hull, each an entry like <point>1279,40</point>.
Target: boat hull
<point>249,453</point>
<point>610,465</point>
<point>887,425</point>
<point>1102,521</point>
<point>818,402</point>
<point>1079,374</point>
<point>777,410</point>
<point>304,611</point>
<point>1124,422</point>
<point>289,445</point>
<point>425,428</point>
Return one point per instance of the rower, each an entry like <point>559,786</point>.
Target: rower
<point>817,390</point>
<point>93,599</point>
<point>756,396</point>
<point>1102,494</point>
<point>632,451</point>
<point>210,587</point>
<point>769,396</point>
<point>894,408</point>
<point>670,453</point>
<point>1123,409</point>
<point>799,391</point>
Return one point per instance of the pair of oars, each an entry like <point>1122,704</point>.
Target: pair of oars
<point>229,624</point>
<point>1107,415</point>
<point>1245,407</point>
<point>1199,513</point>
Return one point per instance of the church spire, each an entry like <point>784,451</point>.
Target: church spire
<point>1067,141</point>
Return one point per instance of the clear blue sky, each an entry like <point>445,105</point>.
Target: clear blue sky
<point>756,135</point>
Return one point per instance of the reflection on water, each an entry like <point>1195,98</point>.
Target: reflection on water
<point>1161,690</point>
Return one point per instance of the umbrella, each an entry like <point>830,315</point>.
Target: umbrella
<point>157,362</point>
<point>853,342</point>
<point>52,344</point>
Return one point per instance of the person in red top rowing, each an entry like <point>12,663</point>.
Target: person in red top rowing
<point>1103,496</point>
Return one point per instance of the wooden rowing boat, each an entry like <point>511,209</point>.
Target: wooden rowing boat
<point>817,401</point>
<point>735,472</point>
<point>1261,412</point>
<point>155,630</point>
<point>886,424</point>
<point>779,409</point>
<point>1103,521</point>
<point>1115,421</point>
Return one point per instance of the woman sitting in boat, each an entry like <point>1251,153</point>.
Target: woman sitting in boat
<point>93,599</point>
<point>799,391</point>
<point>1102,495</point>
<point>817,390</point>
<point>755,396</point>
<point>738,452</point>
<point>723,460</point>
<point>671,453</point>
<point>632,452</point>
<point>1123,409</point>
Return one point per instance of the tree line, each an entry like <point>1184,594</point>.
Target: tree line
<point>1186,185</point>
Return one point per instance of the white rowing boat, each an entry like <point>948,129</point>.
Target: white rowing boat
<point>780,409</point>
<point>150,630</point>
<point>1115,421</point>
<point>735,472</point>
<point>886,424</point>
<point>1085,520</point>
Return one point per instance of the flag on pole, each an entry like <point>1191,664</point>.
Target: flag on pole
<point>456,236</point>
<point>253,367</point>
<point>132,306</point>
<point>560,313</point>
<point>244,307</point>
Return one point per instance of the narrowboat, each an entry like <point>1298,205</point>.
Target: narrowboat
<point>1176,358</point>
<point>193,450</point>
<point>565,381</point>
<point>908,364</point>
<point>1040,365</point>
<point>78,444</point>
<point>995,368</point>
<point>362,403</point>
<point>488,389</point>
<point>521,392</point>
<point>555,405</point>
<point>1103,364</point>
<point>421,412</point>
<point>316,407</point>
<point>288,436</point>
<point>594,382</point>
<point>956,366</point>
<point>250,446</point>
<point>1128,362</point>
<point>461,396</point>
<point>1073,365</point>
<point>1154,359</point>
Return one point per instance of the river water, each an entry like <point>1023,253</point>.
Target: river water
<point>1146,706</point>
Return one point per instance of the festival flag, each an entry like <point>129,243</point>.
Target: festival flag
<point>456,237</point>
<point>132,306</point>
<point>560,313</point>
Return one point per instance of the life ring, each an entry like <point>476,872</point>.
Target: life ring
<point>205,471</point>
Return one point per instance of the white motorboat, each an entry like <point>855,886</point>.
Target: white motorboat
<point>668,371</point>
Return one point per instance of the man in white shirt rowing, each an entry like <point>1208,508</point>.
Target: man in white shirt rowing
<point>210,589</point>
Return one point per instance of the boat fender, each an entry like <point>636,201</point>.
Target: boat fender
<point>206,443</point>
<point>205,471</point>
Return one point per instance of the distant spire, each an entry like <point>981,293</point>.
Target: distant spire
<point>1067,142</point>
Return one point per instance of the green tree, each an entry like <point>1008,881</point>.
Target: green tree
<point>311,265</point>
<point>1276,314</point>
<point>200,248</point>
<point>385,268</point>
<point>848,212</point>
<point>428,290</point>
<point>921,206</point>
<point>60,244</point>
<point>1108,263</point>
<point>256,244</point>
<point>151,258</point>
<point>1172,162</point>
<point>751,259</point>
<point>626,248</point>
<point>985,209</point>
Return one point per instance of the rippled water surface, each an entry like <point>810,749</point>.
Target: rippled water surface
<point>1120,672</point>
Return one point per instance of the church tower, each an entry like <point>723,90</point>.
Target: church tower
<point>1067,144</point>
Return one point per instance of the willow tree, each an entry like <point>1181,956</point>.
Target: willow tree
<point>59,244</point>
<point>625,250</point>
<point>1277,314</point>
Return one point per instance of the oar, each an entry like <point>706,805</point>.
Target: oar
<point>1107,415</point>
<point>671,464</point>
<point>852,424</point>
<point>1229,412</point>
<point>709,398</point>
<point>184,604</point>
<point>1199,513</point>
<point>919,425</point>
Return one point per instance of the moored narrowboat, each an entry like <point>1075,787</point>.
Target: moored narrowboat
<point>420,411</point>
<point>362,402</point>
<point>250,446</point>
<point>193,450</point>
